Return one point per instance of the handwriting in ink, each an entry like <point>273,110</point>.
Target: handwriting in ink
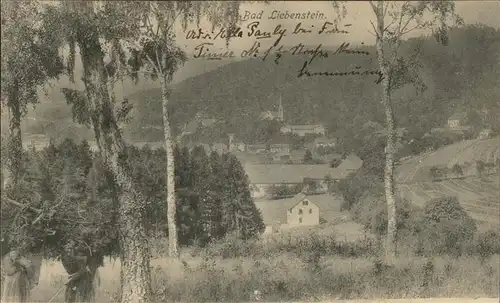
<point>252,51</point>
<point>300,30</point>
<point>305,72</point>
<point>233,32</point>
<point>344,48</point>
<point>330,28</point>
<point>300,49</point>
<point>255,32</point>
<point>203,51</point>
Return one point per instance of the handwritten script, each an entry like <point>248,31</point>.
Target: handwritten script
<point>269,45</point>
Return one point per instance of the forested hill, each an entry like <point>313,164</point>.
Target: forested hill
<point>461,75</point>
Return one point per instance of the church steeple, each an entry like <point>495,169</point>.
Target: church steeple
<point>280,110</point>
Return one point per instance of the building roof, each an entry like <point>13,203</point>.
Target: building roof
<point>304,127</point>
<point>295,173</point>
<point>275,211</point>
<point>352,162</point>
<point>269,113</point>
<point>256,146</point>
<point>325,140</point>
<point>285,173</point>
<point>457,116</point>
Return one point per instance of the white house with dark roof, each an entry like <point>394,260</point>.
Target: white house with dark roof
<point>300,210</point>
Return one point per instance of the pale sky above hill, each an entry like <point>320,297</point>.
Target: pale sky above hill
<point>359,14</point>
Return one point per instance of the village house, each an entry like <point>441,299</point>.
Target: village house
<point>300,210</point>
<point>199,121</point>
<point>457,120</point>
<point>264,176</point>
<point>273,115</point>
<point>325,142</point>
<point>350,164</point>
<point>235,145</point>
<point>219,147</point>
<point>303,130</point>
<point>485,133</point>
<point>279,148</point>
<point>256,148</point>
<point>282,156</point>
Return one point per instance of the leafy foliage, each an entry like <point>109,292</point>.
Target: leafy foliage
<point>445,227</point>
<point>77,200</point>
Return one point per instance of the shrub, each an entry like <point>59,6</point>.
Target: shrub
<point>487,243</point>
<point>277,191</point>
<point>231,246</point>
<point>372,214</point>
<point>445,227</point>
<point>458,170</point>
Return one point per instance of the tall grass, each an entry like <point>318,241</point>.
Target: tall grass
<point>288,267</point>
<point>288,277</point>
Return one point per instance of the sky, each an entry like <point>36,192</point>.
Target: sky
<point>359,14</point>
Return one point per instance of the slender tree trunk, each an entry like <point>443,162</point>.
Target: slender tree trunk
<point>134,249</point>
<point>15,144</point>
<point>390,151</point>
<point>173,249</point>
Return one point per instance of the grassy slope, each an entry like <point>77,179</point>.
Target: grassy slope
<point>286,277</point>
<point>480,197</point>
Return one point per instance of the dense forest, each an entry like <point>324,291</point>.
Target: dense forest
<point>212,190</point>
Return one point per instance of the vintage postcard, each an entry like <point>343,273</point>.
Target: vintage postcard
<point>250,151</point>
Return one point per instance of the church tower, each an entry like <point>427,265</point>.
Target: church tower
<point>280,111</point>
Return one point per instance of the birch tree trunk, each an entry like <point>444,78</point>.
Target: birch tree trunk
<point>390,197</point>
<point>134,249</point>
<point>15,143</point>
<point>173,249</point>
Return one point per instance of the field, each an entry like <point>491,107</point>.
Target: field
<point>417,168</point>
<point>286,277</point>
<point>480,197</point>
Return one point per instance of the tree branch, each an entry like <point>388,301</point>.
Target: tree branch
<point>18,204</point>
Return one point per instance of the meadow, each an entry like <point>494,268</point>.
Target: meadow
<point>318,267</point>
<point>417,168</point>
<point>480,197</point>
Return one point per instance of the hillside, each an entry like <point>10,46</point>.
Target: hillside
<point>468,151</point>
<point>479,196</point>
<point>239,91</point>
<point>456,76</point>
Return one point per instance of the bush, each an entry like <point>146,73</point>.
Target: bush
<point>278,191</point>
<point>444,227</point>
<point>372,214</point>
<point>487,243</point>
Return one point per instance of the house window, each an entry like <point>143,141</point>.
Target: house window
<point>300,220</point>
<point>304,202</point>
<point>310,210</point>
<point>300,211</point>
